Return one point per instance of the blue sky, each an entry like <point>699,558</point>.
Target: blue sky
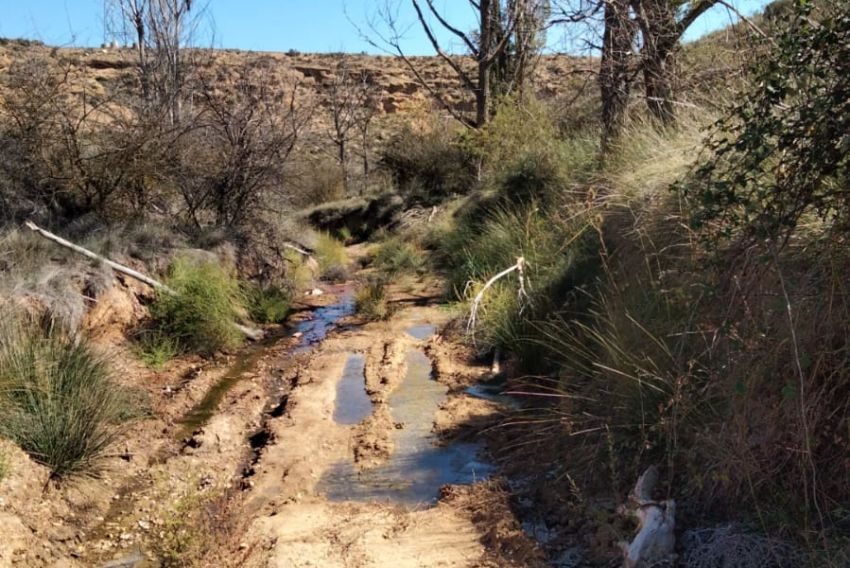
<point>265,25</point>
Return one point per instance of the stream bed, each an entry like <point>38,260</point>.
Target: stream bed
<point>419,465</point>
<point>310,331</point>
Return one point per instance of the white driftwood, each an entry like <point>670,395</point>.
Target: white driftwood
<point>519,268</point>
<point>496,368</point>
<point>113,265</point>
<point>297,249</point>
<point>654,541</point>
<point>250,333</point>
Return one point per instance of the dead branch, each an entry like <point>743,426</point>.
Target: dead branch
<point>250,333</point>
<point>519,268</point>
<point>654,541</point>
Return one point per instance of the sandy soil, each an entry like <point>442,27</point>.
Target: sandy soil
<point>260,468</point>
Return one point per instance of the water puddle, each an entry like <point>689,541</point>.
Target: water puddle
<point>352,402</point>
<point>419,466</point>
<point>421,331</point>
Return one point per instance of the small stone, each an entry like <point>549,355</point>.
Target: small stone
<point>145,525</point>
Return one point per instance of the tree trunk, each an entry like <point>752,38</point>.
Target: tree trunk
<point>661,33</point>
<point>614,81</point>
<point>482,93</point>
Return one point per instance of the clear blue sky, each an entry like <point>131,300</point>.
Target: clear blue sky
<point>266,25</point>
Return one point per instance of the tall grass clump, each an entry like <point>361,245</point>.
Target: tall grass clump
<point>371,300</point>
<point>200,317</point>
<point>332,258</point>
<point>58,400</point>
<point>395,256</point>
<point>266,303</point>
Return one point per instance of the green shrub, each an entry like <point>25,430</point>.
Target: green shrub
<point>371,300</point>
<point>784,152</point>
<point>395,255</point>
<point>58,400</point>
<point>200,317</point>
<point>155,349</point>
<point>332,258</point>
<point>265,303</point>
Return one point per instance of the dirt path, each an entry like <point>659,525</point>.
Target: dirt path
<point>245,487</point>
<point>294,525</point>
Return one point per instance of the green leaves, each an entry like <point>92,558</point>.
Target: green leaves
<point>783,153</point>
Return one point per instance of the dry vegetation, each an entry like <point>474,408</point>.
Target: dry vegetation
<point>681,304</point>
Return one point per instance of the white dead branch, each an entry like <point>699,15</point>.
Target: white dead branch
<point>250,333</point>
<point>519,268</point>
<point>655,540</point>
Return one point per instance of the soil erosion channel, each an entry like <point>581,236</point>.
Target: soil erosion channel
<point>334,441</point>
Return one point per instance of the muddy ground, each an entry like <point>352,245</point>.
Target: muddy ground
<point>242,487</point>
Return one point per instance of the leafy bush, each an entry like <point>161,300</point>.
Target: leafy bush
<point>784,152</point>
<point>371,300</point>
<point>58,401</point>
<point>266,304</point>
<point>429,166</point>
<point>201,315</point>
<point>332,258</point>
<point>395,255</point>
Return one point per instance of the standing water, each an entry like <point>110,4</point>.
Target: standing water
<point>352,402</point>
<point>419,466</point>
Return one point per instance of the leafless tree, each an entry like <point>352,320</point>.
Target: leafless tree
<point>662,24</point>
<point>634,37</point>
<point>352,104</point>
<point>232,158</point>
<point>69,152</point>
<point>503,31</point>
<point>161,30</point>
<point>364,115</point>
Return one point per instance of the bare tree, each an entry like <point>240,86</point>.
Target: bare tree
<point>161,30</point>
<point>662,24</point>
<point>364,115</point>
<point>638,37</point>
<point>498,22</point>
<point>352,106</point>
<point>233,157</point>
<point>614,74</point>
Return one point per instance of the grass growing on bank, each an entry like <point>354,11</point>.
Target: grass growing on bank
<point>653,347</point>
<point>371,300</point>
<point>395,256</point>
<point>332,258</point>
<point>266,303</point>
<point>58,400</point>
<point>200,317</point>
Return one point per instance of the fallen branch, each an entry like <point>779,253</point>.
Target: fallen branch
<point>655,540</point>
<point>250,333</point>
<point>519,268</point>
<point>113,265</point>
